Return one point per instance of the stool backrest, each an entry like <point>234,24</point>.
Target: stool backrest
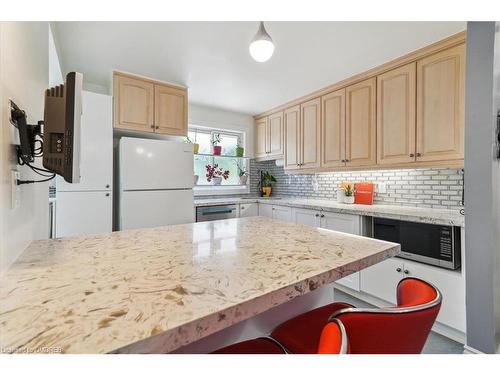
<point>394,330</point>
<point>333,338</point>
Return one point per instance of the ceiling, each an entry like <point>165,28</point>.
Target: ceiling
<point>212,58</point>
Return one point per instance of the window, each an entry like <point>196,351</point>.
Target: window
<point>227,161</point>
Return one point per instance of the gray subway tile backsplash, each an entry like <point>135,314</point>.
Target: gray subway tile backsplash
<point>436,187</point>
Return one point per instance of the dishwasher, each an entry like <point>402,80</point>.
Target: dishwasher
<point>209,213</point>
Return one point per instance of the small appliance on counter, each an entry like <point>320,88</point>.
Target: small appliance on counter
<point>363,193</point>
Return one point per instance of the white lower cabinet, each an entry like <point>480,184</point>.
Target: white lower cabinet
<point>249,209</point>
<point>380,280</point>
<point>266,210</point>
<point>334,221</point>
<point>275,212</point>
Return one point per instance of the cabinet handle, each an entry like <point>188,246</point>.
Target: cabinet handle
<point>412,155</point>
<point>107,186</point>
<point>406,272</point>
<point>398,269</point>
<point>317,215</point>
<point>347,160</point>
<point>107,194</point>
<point>152,126</point>
<point>322,215</point>
<point>418,154</point>
<point>273,208</point>
<point>157,127</point>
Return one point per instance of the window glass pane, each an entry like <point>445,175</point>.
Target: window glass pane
<point>228,143</point>
<point>229,164</point>
<point>200,163</point>
<point>203,139</point>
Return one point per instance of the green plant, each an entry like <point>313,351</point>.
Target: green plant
<point>187,139</point>
<point>266,179</point>
<point>349,190</point>
<point>216,139</point>
<point>241,172</point>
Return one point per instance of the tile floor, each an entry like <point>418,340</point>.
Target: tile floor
<point>436,343</point>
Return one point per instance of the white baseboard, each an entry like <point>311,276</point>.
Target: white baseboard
<point>470,350</point>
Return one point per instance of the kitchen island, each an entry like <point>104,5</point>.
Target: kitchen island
<point>157,290</point>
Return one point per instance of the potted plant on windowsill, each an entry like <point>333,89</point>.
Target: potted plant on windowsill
<point>239,150</point>
<point>266,182</point>
<point>196,146</point>
<point>216,174</point>
<point>243,174</point>
<point>216,139</point>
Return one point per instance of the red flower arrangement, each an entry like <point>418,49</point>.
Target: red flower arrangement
<point>215,171</point>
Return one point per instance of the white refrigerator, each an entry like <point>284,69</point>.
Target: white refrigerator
<point>156,183</point>
<point>87,207</point>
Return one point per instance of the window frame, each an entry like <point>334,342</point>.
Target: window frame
<point>203,190</point>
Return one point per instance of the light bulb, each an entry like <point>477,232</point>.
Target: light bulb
<point>261,47</point>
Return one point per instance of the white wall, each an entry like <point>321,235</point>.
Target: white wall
<point>23,78</point>
<point>55,73</point>
<point>217,118</point>
<point>482,188</point>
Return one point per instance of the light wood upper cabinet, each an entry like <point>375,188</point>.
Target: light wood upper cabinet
<point>361,124</point>
<point>261,137</point>
<point>275,123</point>
<point>333,129</point>
<point>170,110</point>
<point>133,103</point>
<point>440,105</point>
<point>149,106</point>
<point>291,118</point>
<point>269,137</point>
<point>396,92</point>
<point>310,133</point>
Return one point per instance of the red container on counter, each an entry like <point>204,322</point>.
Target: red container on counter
<point>363,192</point>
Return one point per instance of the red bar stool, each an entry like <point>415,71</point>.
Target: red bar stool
<point>394,330</point>
<point>333,340</point>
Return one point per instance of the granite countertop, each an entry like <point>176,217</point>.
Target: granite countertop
<point>417,214</point>
<point>155,290</point>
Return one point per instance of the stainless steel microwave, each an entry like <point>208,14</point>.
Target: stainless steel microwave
<point>438,245</point>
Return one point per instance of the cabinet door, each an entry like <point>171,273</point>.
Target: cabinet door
<point>440,105</point>
<point>361,124</point>
<point>265,210</point>
<point>170,110</point>
<point>310,133</point>
<point>81,213</point>
<point>452,287</point>
<point>381,279</point>
<point>249,209</point>
<point>396,92</point>
<point>96,158</point>
<point>306,217</point>
<point>133,103</point>
<point>261,137</point>
<point>282,213</point>
<point>276,135</point>
<point>333,129</point>
<point>347,224</point>
<point>292,128</point>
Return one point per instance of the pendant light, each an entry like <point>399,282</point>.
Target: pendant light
<point>262,46</point>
